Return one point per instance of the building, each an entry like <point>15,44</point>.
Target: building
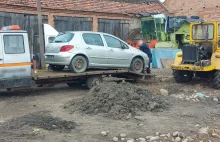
<point>207,10</point>
<point>111,16</point>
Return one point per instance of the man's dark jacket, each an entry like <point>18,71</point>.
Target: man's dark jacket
<point>144,48</point>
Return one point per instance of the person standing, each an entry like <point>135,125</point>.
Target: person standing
<point>145,48</point>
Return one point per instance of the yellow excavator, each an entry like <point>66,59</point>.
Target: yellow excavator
<point>201,58</point>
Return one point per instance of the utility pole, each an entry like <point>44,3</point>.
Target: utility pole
<point>42,48</point>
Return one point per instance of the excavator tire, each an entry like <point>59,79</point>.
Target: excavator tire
<point>217,80</point>
<point>182,76</point>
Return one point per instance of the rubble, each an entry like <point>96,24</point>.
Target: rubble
<point>162,135</point>
<point>115,139</point>
<point>130,140</point>
<point>164,92</point>
<point>202,135</point>
<point>157,133</point>
<point>148,137</point>
<point>122,135</point>
<point>181,135</point>
<point>215,99</point>
<point>177,139</point>
<point>103,133</point>
<point>196,97</point>
<point>142,139</point>
<point>168,135</point>
<point>203,130</point>
<point>154,138</point>
<point>175,134</point>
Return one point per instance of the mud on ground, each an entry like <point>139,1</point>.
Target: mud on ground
<point>39,120</point>
<point>19,114</point>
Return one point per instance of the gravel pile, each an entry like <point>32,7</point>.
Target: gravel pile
<point>121,101</point>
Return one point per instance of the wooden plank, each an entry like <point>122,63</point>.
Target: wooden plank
<point>167,63</point>
<point>66,74</point>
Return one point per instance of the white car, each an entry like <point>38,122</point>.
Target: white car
<point>83,50</point>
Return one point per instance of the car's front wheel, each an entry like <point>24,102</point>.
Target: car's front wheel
<point>137,65</point>
<point>78,64</point>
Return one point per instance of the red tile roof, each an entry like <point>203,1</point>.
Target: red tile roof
<point>93,6</point>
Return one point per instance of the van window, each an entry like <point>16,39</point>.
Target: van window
<point>50,39</point>
<point>14,44</point>
<point>93,39</point>
<point>64,37</point>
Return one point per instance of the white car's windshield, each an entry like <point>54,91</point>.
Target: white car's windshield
<point>64,37</point>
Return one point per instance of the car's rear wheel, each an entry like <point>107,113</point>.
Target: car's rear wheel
<point>56,67</point>
<point>78,64</point>
<point>137,65</point>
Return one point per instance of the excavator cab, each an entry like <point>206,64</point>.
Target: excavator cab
<point>200,58</point>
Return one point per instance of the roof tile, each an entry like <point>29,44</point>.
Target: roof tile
<point>93,5</point>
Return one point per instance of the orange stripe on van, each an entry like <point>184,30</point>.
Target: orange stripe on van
<point>15,64</point>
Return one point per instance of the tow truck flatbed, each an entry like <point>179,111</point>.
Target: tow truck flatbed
<point>90,78</point>
<point>67,74</point>
<point>20,71</point>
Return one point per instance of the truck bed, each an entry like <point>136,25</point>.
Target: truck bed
<point>65,76</point>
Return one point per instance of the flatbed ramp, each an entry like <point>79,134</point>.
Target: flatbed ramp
<point>89,77</point>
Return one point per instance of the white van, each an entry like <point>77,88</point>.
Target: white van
<point>49,33</point>
<point>15,62</point>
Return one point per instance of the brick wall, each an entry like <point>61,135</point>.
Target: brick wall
<point>209,10</point>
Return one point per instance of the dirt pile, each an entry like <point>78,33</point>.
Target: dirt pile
<point>40,120</point>
<point>121,100</point>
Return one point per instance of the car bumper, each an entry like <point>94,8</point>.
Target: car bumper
<point>58,58</point>
<point>147,61</point>
<point>16,82</point>
<point>190,67</point>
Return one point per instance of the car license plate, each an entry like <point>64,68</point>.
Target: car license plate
<point>50,57</point>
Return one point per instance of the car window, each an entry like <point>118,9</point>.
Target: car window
<point>112,42</point>
<point>93,39</point>
<point>64,37</point>
<point>14,44</point>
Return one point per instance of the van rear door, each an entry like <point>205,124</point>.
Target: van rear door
<point>49,33</point>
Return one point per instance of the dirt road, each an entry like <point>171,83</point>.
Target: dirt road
<point>42,115</point>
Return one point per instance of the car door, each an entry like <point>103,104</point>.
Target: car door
<point>16,50</point>
<point>117,56</point>
<point>95,49</point>
<point>16,53</point>
<point>218,40</point>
